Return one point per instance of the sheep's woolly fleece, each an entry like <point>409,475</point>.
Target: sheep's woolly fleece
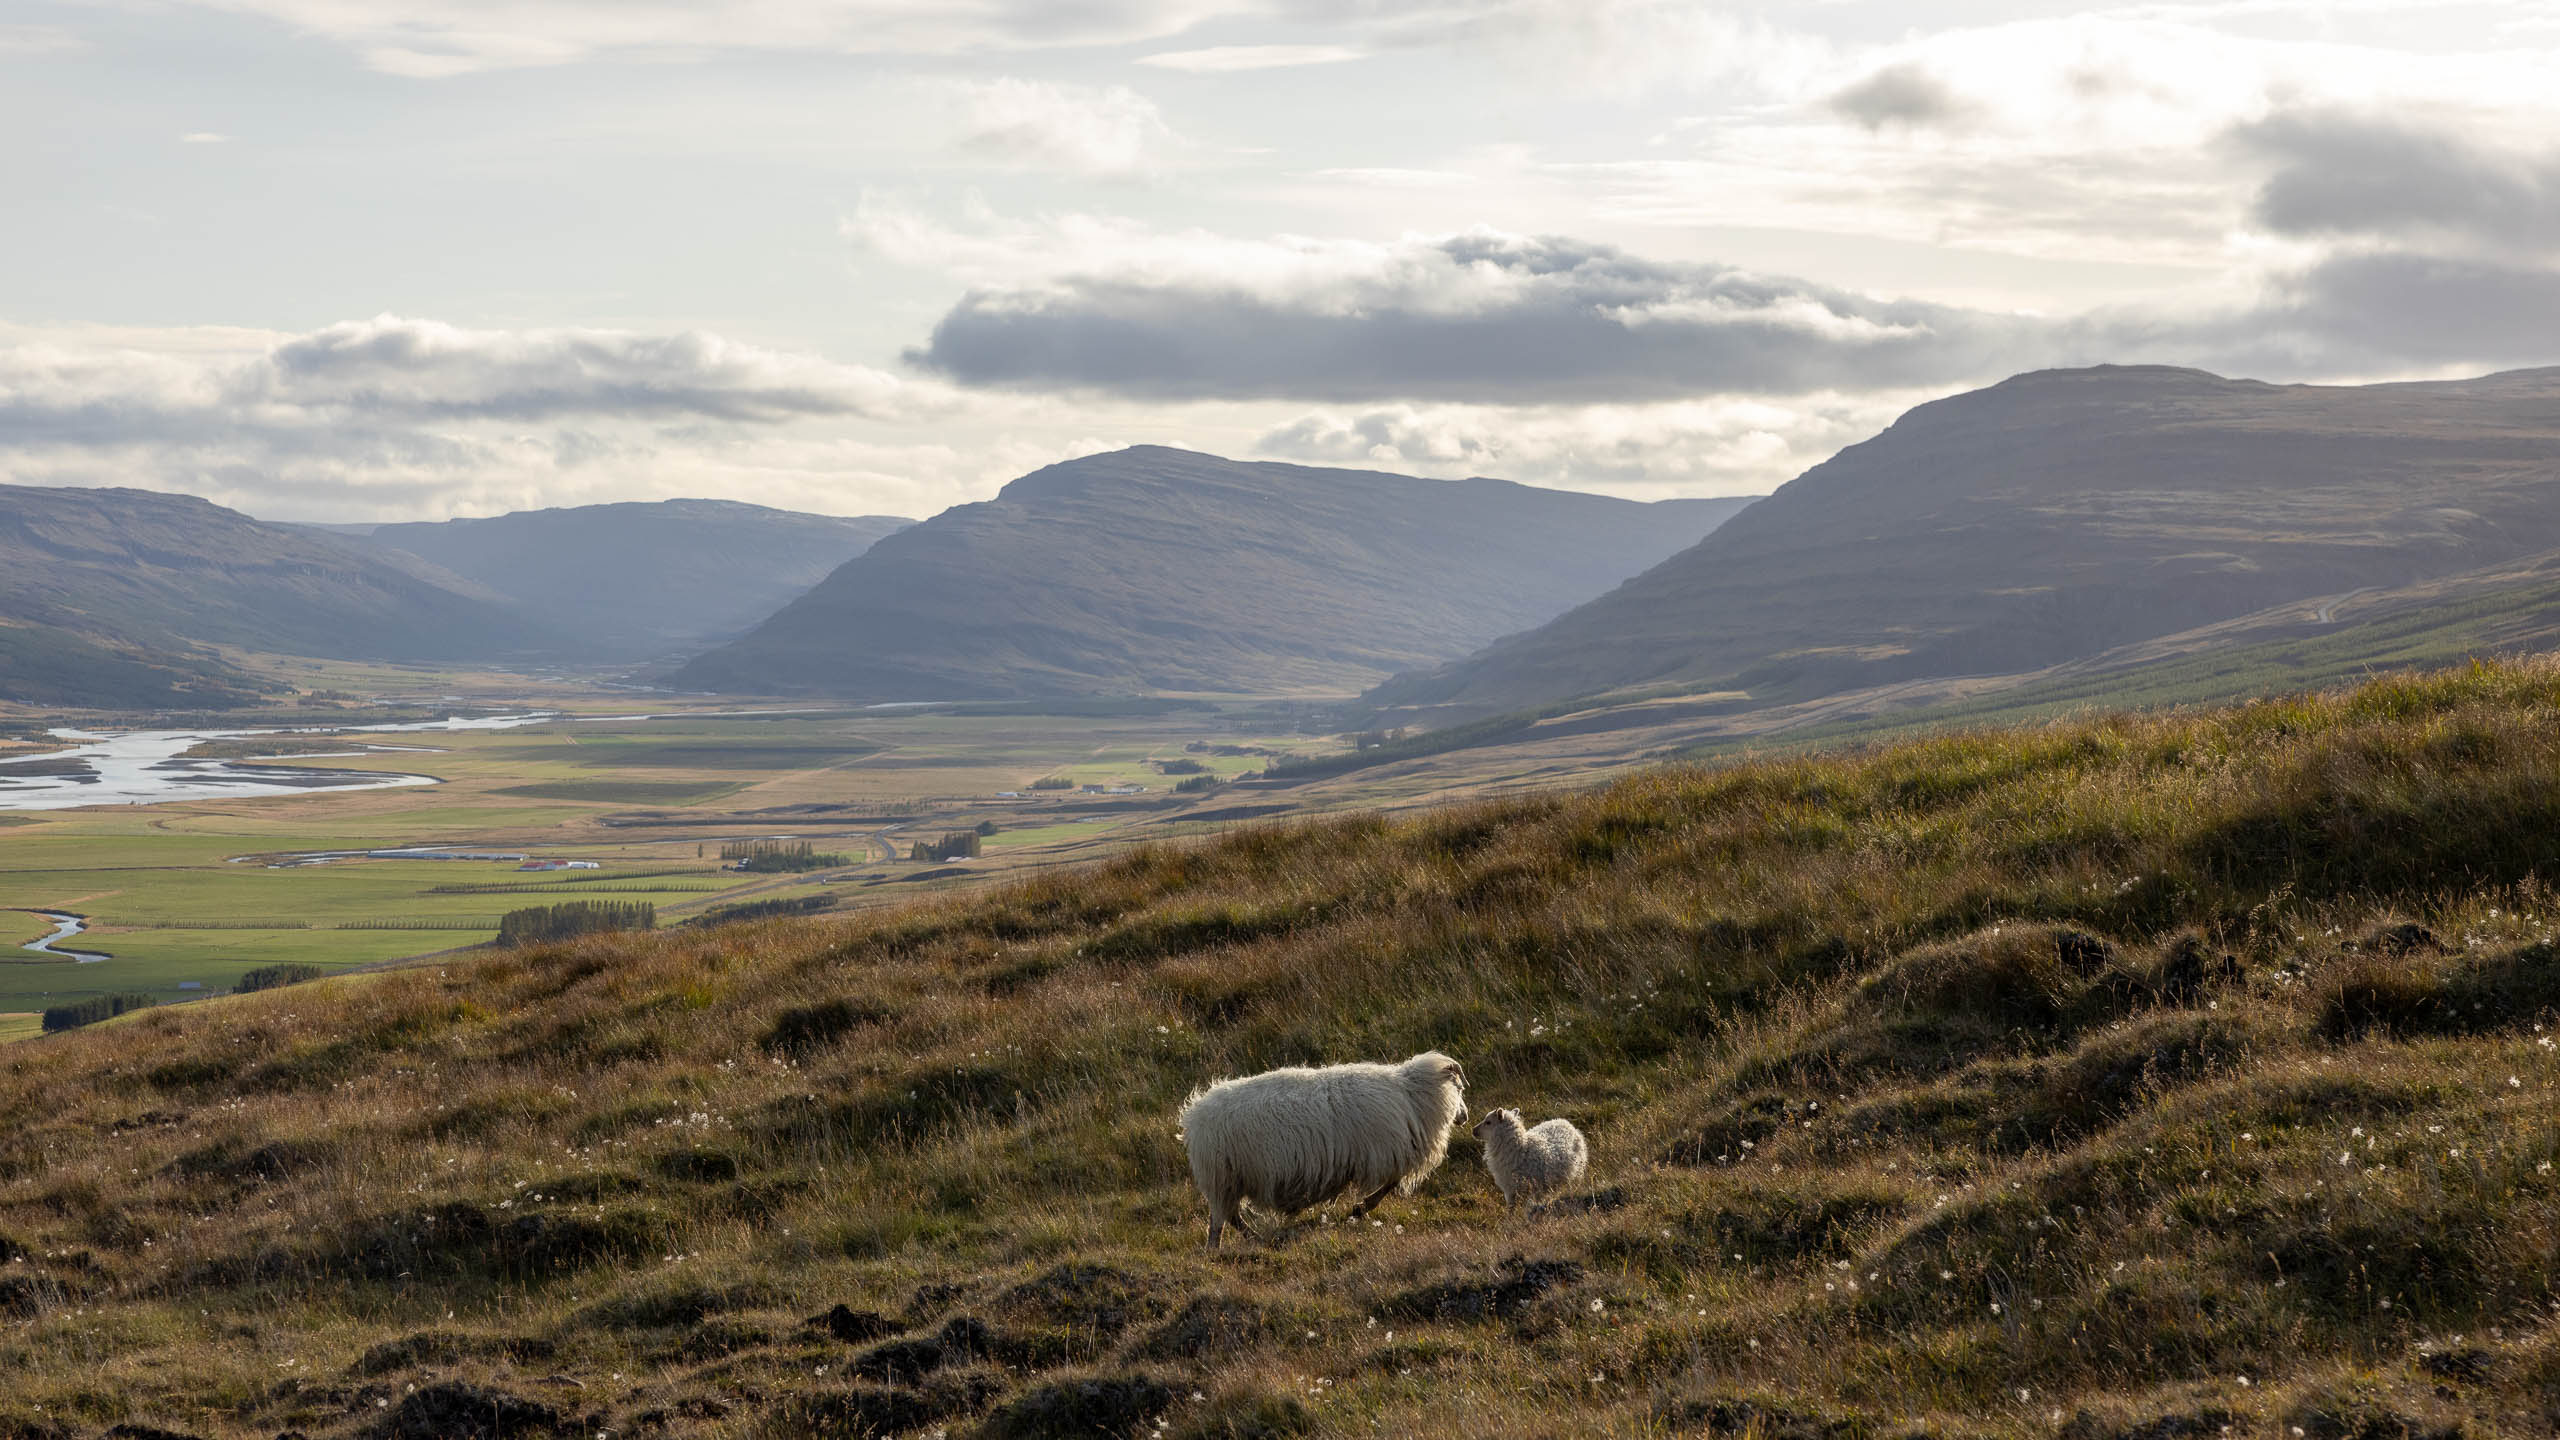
<point>1531,1165</point>
<point>1292,1138</point>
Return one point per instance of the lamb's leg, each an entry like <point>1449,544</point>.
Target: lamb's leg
<point>1237,1220</point>
<point>1365,1206</point>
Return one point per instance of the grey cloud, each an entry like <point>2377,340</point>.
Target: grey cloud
<point>371,406</point>
<point>2398,309</point>
<point>1480,318</point>
<point>391,366</point>
<point>366,388</point>
<point>1906,94</point>
<point>1493,319</point>
<point>2337,174</point>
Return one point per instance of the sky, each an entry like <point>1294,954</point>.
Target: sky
<point>413,259</point>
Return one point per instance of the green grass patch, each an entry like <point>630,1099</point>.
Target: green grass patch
<point>626,792</point>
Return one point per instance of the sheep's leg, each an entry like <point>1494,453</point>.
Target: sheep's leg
<point>1237,1220</point>
<point>1365,1206</point>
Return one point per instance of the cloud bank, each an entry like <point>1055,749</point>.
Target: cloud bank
<point>408,414</point>
<point>1477,317</point>
<point>2396,246</point>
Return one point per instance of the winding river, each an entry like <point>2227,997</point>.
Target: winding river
<point>64,927</point>
<point>145,767</point>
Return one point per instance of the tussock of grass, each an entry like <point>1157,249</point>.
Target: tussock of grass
<point>2125,1077</point>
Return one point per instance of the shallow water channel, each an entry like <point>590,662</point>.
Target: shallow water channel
<point>145,767</point>
<point>64,927</point>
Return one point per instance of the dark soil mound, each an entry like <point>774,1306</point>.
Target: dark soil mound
<point>1517,1283</point>
<point>855,1327</point>
<point>1098,1409</point>
<point>458,1410</point>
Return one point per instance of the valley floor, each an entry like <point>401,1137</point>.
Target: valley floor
<point>186,897</point>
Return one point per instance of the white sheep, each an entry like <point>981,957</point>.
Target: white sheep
<point>1531,1164</point>
<point>1289,1139</point>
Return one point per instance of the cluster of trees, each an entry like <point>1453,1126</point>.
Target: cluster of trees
<point>92,1010</point>
<point>1195,783</point>
<point>269,977</point>
<point>537,923</point>
<point>780,857</point>
<point>959,845</point>
<point>763,909</point>
<point>1181,767</point>
<point>1053,782</point>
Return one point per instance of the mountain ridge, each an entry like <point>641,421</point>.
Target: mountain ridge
<point>2056,514</point>
<point>112,577</point>
<point>1154,569</point>
<point>642,580</point>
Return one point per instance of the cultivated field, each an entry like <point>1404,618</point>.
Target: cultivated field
<point>185,897</point>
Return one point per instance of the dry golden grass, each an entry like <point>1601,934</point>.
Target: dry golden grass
<point>2181,1072</point>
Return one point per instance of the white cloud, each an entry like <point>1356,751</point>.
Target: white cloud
<point>1224,59</point>
<point>1390,178</point>
<point>1077,129</point>
<point>203,137</point>
<point>38,40</point>
<point>2091,137</point>
<point>437,38</point>
<point>1705,447</point>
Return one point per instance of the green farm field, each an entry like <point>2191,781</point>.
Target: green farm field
<point>184,897</point>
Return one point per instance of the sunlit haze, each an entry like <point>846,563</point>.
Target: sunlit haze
<point>399,259</point>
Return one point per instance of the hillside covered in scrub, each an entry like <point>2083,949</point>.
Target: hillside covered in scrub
<point>2129,1077</point>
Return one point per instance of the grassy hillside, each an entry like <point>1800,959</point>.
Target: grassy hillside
<point>2126,1078</point>
<point>2396,629</point>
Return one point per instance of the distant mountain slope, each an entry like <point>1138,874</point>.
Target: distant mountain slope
<point>146,577</point>
<point>635,581</point>
<point>1152,569</point>
<point>2053,516</point>
<point>50,666</point>
<point>2506,610</point>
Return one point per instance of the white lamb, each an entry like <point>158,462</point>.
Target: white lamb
<point>1289,1139</point>
<point>1531,1165</point>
